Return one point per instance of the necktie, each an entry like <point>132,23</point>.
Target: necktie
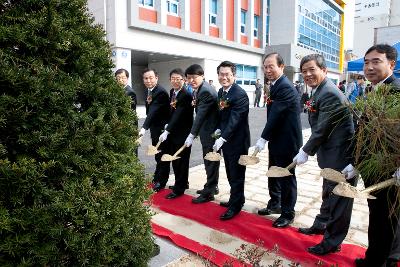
<point>224,93</point>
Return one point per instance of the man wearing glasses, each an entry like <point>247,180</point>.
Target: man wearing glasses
<point>206,107</point>
<point>178,127</point>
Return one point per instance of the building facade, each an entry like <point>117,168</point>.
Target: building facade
<point>370,15</point>
<point>308,26</point>
<point>165,34</point>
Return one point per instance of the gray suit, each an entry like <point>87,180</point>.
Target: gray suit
<point>331,131</point>
<point>205,123</point>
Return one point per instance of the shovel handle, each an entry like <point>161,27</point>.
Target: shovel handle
<point>379,185</point>
<point>255,152</point>
<point>291,165</point>
<point>158,144</point>
<point>179,151</point>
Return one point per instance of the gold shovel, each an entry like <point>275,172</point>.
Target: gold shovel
<point>167,157</point>
<point>275,171</point>
<point>346,190</point>
<point>246,160</point>
<point>139,140</point>
<point>333,175</point>
<point>213,156</point>
<point>152,150</point>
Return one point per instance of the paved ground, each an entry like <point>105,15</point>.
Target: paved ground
<point>256,191</point>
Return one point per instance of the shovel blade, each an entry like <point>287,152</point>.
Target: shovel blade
<point>276,172</point>
<point>346,190</point>
<point>247,160</point>
<point>333,175</point>
<point>152,150</point>
<point>213,156</point>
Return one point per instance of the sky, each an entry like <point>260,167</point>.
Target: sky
<point>349,24</point>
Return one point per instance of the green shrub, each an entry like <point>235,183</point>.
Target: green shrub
<point>71,189</point>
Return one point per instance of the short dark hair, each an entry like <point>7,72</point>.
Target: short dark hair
<point>317,58</point>
<point>150,69</point>
<point>178,71</point>
<point>119,71</point>
<point>194,69</point>
<point>389,51</point>
<point>279,59</point>
<point>227,64</point>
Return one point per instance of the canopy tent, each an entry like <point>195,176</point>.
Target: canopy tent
<point>357,64</point>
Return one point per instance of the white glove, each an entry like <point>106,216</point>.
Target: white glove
<point>301,157</point>
<point>163,136</point>
<point>142,131</point>
<point>217,132</point>
<point>349,172</point>
<point>165,126</point>
<point>260,145</point>
<point>189,140</point>
<point>396,174</point>
<point>218,143</point>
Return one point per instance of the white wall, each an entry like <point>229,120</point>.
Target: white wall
<point>283,22</point>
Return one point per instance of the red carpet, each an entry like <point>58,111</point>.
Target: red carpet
<point>251,228</point>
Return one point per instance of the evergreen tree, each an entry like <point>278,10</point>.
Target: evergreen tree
<point>71,190</point>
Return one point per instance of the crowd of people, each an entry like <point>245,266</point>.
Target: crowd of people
<point>221,123</point>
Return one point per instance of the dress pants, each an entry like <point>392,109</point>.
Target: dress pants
<point>161,173</point>
<point>335,214</point>
<point>180,167</point>
<point>212,167</point>
<point>236,177</point>
<point>383,229</point>
<point>274,187</point>
<point>287,185</point>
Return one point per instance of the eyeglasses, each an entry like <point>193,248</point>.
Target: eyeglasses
<point>176,79</point>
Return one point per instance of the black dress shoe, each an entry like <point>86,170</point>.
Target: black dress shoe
<point>201,191</point>
<point>268,211</point>
<point>173,195</point>
<point>320,249</point>
<point>311,231</point>
<point>282,222</point>
<point>229,214</point>
<point>360,262</point>
<point>202,199</point>
<point>224,204</point>
<point>157,187</point>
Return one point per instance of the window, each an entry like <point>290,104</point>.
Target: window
<point>256,23</point>
<point>149,3</point>
<point>246,75</point>
<point>243,21</point>
<point>172,6</point>
<point>212,16</point>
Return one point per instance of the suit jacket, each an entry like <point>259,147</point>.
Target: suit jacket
<point>394,82</point>
<point>283,127</point>
<point>332,127</point>
<point>181,116</point>
<point>234,121</point>
<point>131,93</point>
<point>157,111</point>
<point>206,107</point>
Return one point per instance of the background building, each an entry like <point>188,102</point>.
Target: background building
<point>164,34</point>
<point>307,26</point>
<point>370,15</point>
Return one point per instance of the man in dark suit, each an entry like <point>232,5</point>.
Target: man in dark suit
<point>122,76</point>
<point>235,134</point>
<point>384,226</point>
<point>332,129</point>
<point>157,111</point>
<point>205,122</point>
<point>283,132</point>
<point>178,127</point>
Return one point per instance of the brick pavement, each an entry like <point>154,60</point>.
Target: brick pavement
<point>309,193</point>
